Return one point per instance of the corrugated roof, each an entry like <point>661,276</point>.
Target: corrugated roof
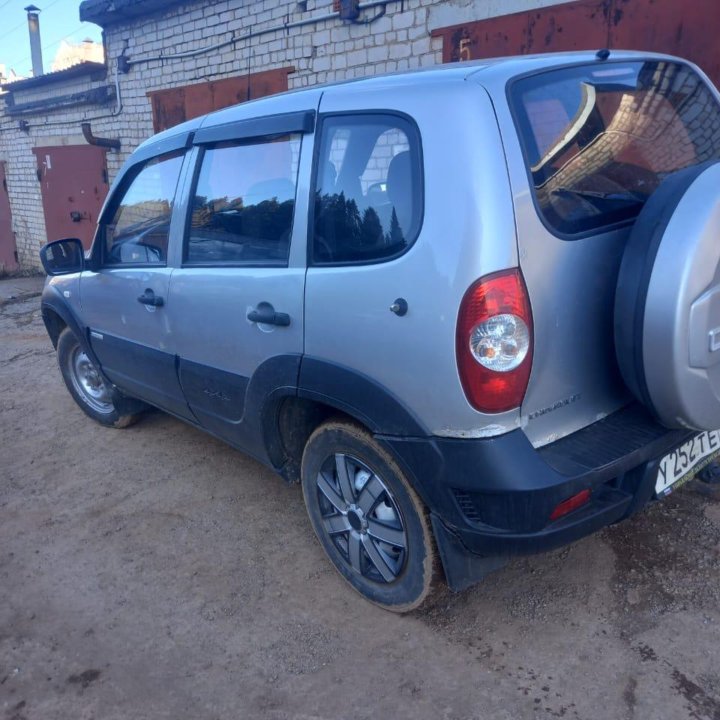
<point>85,68</point>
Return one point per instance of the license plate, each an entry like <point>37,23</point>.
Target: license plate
<point>681,464</point>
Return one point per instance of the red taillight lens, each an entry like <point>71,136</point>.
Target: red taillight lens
<point>567,506</point>
<point>494,342</point>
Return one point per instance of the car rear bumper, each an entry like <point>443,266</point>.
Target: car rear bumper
<point>493,498</point>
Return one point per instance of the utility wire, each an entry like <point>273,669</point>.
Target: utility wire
<point>12,30</point>
<point>49,45</point>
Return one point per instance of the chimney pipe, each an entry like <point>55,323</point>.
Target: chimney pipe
<point>35,49</point>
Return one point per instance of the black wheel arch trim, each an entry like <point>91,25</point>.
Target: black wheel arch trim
<point>53,301</point>
<point>330,385</point>
<point>359,396</point>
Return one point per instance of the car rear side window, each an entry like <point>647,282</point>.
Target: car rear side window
<point>368,189</point>
<point>242,211</point>
<point>599,139</point>
<point>140,226</point>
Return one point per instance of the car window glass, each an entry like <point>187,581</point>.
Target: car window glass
<point>242,211</point>
<point>599,139</point>
<point>368,189</point>
<point>139,229</point>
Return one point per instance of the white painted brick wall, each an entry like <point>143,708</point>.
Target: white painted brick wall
<point>328,50</point>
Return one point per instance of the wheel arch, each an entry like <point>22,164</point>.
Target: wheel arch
<point>54,323</point>
<point>324,391</point>
<point>57,315</point>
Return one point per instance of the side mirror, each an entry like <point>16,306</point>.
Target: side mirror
<point>63,257</point>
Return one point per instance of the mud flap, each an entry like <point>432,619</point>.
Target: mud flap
<point>462,567</point>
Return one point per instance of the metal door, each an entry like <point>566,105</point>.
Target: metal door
<point>665,26</point>
<point>74,183</point>
<point>8,253</point>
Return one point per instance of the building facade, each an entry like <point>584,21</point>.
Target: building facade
<point>167,61</point>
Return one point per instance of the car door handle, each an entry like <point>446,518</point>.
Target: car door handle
<point>267,316</point>
<point>150,298</point>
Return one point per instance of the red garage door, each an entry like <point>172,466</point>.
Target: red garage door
<point>8,255</point>
<point>175,105</point>
<point>74,184</point>
<point>687,28</point>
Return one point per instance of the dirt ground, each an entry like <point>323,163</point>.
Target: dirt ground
<point>155,573</point>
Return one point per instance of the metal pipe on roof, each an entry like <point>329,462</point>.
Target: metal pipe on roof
<point>35,47</point>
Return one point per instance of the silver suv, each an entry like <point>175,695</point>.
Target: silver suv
<point>474,310</point>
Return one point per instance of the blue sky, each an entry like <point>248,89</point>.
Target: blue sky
<point>59,20</point>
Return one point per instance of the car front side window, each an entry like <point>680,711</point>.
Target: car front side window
<point>138,231</point>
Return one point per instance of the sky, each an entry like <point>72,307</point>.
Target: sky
<point>59,20</point>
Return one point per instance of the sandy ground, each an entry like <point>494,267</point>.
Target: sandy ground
<point>155,573</point>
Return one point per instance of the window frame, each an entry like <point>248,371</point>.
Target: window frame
<point>300,123</point>
<point>99,248</point>
<point>521,131</point>
<point>417,158</point>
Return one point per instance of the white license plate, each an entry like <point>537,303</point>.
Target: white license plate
<point>680,465</point>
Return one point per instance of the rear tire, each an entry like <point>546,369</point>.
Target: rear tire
<point>370,522</point>
<point>98,400</point>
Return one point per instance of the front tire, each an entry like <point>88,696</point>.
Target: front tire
<point>95,397</point>
<point>370,522</point>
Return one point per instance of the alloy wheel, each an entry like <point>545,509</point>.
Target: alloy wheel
<point>361,518</point>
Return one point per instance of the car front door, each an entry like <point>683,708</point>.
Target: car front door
<point>237,297</point>
<point>125,301</point>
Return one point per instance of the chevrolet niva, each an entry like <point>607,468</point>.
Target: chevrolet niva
<point>474,310</point>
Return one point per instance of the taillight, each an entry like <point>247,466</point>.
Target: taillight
<point>494,342</point>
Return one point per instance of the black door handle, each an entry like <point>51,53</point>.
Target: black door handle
<point>267,316</point>
<point>150,298</point>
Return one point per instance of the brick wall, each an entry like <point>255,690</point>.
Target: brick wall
<point>325,51</point>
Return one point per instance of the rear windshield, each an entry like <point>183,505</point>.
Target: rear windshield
<point>599,139</point>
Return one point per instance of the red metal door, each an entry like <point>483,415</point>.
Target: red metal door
<point>686,28</point>
<point>8,253</point>
<point>177,104</point>
<point>74,184</point>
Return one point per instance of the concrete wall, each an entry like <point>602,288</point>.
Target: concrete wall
<point>325,51</point>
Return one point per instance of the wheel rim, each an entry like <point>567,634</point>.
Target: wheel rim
<point>361,518</point>
<point>88,383</point>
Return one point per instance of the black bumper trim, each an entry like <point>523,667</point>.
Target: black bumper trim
<point>493,498</point>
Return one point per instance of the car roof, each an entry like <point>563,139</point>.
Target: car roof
<point>495,69</point>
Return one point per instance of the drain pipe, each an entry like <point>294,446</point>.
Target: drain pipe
<point>98,141</point>
<point>35,48</point>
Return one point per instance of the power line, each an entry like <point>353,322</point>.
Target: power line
<point>49,45</point>
<point>12,30</point>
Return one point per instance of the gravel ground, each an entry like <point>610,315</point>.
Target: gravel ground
<point>155,573</point>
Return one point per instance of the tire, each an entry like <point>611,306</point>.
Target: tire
<point>667,301</point>
<point>103,403</point>
<point>370,522</point>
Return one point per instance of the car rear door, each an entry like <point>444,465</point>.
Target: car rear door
<point>586,146</point>
<point>237,304</point>
<point>125,302</point>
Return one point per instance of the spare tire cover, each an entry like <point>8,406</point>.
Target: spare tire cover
<point>667,304</point>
